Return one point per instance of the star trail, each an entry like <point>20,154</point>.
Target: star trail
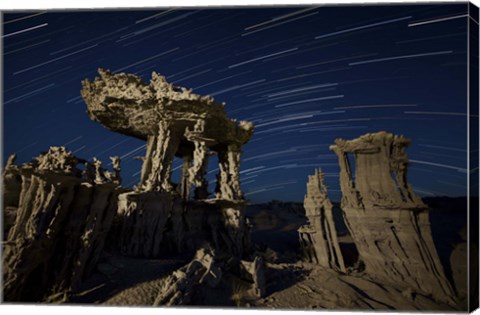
<point>304,75</point>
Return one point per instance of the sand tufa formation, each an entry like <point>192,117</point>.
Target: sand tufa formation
<point>175,122</point>
<point>58,214</point>
<point>319,236</point>
<point>388,222</point>
<point>58,221</point>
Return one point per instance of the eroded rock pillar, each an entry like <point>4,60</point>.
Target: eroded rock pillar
<point>389,224</point>
<point>186,183</point>
<point>319,238</point>
<point>399,166</point>
<point>197,171</point>
<point>228,179</point>
<point>349,194</point>
<point>201,189</point>
<point>161,149</point>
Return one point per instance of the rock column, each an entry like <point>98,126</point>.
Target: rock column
<point>319,237</point>
<point>161,149</point>
<point>387,221</point>
<point>197,171</point>
<point>186,183</point>
<point>228,179</point>
<point>350,197</point>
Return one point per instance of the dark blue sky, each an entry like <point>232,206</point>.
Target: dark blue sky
<point>304,75</point>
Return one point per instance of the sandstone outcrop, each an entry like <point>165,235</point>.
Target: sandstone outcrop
<point>387,221</point>
<point>159,216</point>
<point>61,218</point>
<point>319,237</point>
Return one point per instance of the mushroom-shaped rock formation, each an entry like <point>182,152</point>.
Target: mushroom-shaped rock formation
<point>175,122</point>
<point>388,222</point>
<point>157,219</point>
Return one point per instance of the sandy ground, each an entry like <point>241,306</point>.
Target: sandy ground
<point>126,281</point>
<point>306,286</point>
<point>136,282</point>
<point>291,283</point>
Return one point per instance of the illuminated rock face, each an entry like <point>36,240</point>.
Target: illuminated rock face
<point>380,172</point>
<point>160,217</point>
<point>319,237</point>
<point>159,224</point>
<point>387,221</point>
<point>175,122</point>
<point>58,215</point>
<point>59,224</point>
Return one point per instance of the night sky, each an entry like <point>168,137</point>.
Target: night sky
<point>303,75</point>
